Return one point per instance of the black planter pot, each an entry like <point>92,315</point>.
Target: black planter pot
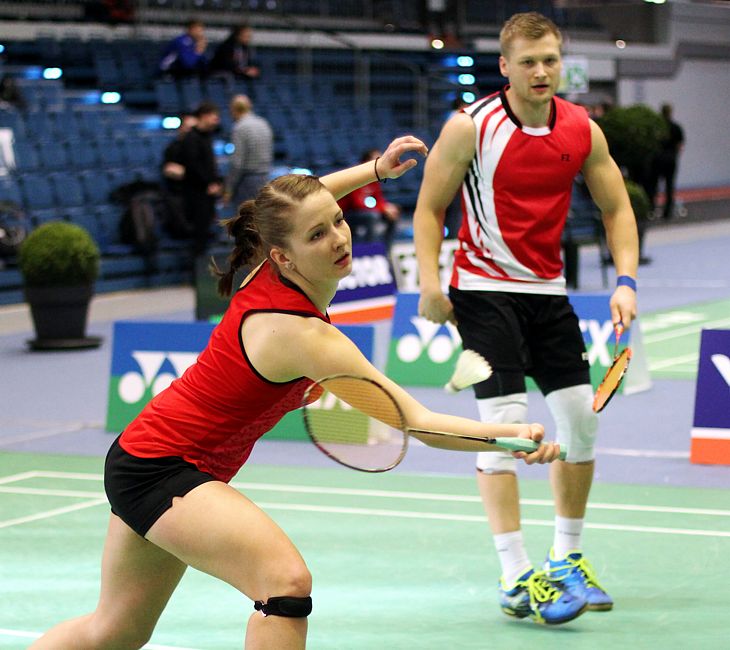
<point>59,317</point>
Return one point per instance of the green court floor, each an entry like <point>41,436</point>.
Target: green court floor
<point>672,336</point>
<point>400,561</point>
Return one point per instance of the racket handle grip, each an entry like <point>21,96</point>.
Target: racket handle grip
<point>526,445</point>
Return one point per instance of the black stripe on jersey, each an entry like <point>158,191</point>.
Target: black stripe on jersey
<point>482,104</point>
<point>472,189</point>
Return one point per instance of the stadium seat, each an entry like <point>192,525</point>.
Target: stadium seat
<point>27,156</point>
<point>83,154</point>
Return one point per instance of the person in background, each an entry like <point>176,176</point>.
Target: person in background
<point>366,209</point>
<point>185,55</point>
<point>167,475</point>
<point>665,162</point>
<point>173,186</point>
<point>515,155</point>
<point>250,164</point>
<point>235,55</point>
<point>202,184</point>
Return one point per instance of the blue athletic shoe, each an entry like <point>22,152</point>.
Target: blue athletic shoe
<point>543,601</point>
<point>576,576</point>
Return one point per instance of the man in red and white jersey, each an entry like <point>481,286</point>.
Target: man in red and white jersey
<point>514,156</point>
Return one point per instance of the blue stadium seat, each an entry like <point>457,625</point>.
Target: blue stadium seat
<point>110,155</point>
<point>10,118</point>
<point>38,126</point>
<point>168,97</point>
<point>96,186</point>
<point>54,156</point>
<point>65,125</point>
<point>37,191</point>
<point>10,190</point>
<point>191,93</point>
<point>27,157</point>
<point>83,154</point>
<point>108,73</point>
<point>135,152</point>
<point>68,190</point>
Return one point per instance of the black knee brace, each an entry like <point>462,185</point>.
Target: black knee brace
<point>288,606</point>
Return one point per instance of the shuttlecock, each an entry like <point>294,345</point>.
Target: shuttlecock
<point>471,368</point>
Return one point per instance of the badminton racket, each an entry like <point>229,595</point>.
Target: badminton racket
<point>357,423</point>
<point>614,375</point>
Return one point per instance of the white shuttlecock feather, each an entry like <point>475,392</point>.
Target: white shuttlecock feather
<point>471,368</point>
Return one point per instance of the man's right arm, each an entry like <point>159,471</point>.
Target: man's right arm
<point>443,175</point>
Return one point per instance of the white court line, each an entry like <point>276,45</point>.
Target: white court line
<point>415,496</point>
<point>35,635</point>
<point>676,361</point>
<point>37,435</point>
<point>385,494</point>
<point>682,331</point>
<point>641,453</point>
<point>405,514</point>
<point>18,477</point>
<point>51,513</point>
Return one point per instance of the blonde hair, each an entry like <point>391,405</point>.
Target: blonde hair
<point>264,223</point>
<point>530,25</point>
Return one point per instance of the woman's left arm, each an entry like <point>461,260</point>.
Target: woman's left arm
<point>387,166</point>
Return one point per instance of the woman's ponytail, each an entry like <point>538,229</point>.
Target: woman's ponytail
<point>246,249</point>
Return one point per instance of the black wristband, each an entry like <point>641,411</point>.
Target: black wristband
<point>380,180</point>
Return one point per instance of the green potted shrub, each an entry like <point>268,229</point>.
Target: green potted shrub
<point>59,262</point>
<point>634,134</point>
<point>639,200</point>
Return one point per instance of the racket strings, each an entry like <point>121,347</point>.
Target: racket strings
<point>357,423</point>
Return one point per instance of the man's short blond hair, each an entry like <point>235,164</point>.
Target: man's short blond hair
<point>530,25</point>
<point>240,105</point>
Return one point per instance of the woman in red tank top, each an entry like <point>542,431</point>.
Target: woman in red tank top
<point>166,476</point>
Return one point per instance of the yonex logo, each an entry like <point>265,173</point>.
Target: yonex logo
<point>133,385</point>
<point>440,347</point>
<point>600,334</point>
<point>722,363</point>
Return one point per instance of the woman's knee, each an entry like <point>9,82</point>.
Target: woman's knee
<point>288,578</point>
<point>129,634</point>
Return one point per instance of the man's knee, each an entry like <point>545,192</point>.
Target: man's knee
<point>577,424</point>
<point>505,409</point>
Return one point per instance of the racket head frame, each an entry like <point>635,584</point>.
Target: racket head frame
<point>620,365</point>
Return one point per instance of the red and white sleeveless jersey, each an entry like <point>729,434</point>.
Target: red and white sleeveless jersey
<point>516,196</point>
<point>213,414</point>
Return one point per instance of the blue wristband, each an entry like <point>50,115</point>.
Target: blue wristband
<point>626,281</point>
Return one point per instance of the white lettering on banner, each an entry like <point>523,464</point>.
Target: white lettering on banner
<point>403,257</point>
<point>440,347</point>
<point>600,335</point>
<point>367,271</point>
<point>722,363</point>
<point>132,385</point>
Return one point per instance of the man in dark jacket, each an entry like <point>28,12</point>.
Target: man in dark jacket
<point>202,182</point>
<point>234,55</point>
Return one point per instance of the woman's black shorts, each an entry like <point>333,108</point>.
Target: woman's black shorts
<point>140,490</point>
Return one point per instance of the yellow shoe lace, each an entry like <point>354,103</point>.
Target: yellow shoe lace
<point>586,568</point>
<point>540,589</point>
